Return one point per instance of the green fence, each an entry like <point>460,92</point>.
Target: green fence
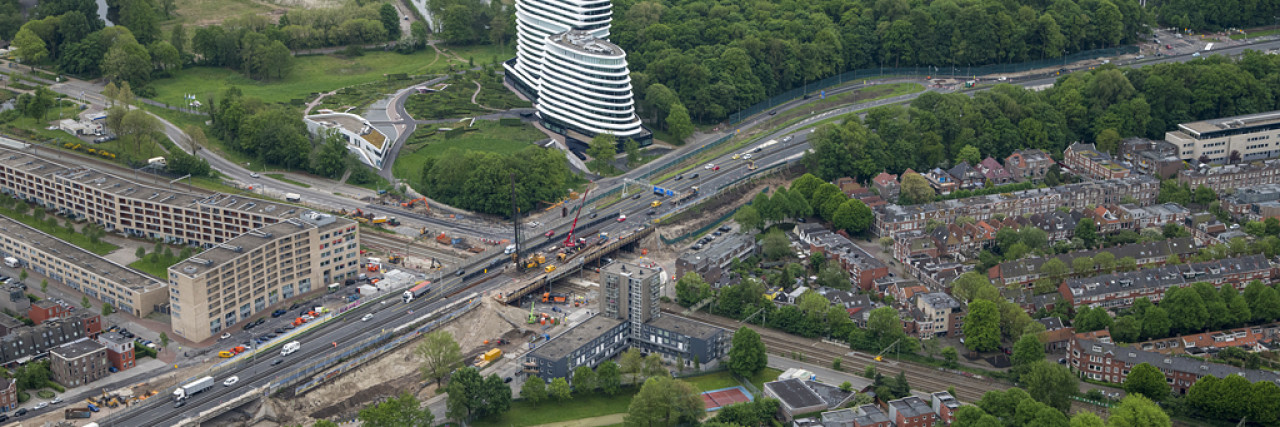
<point>963,71</point>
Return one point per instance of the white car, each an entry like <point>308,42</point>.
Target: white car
<point>231,381</point>
<point>747,156</point>
<point>786,138</point>
<point>366,317</point>
<point>254,175</point>
<point>56,401</point>
<point>709,166</point>
<point>225,335</point>
<point>41,405</point>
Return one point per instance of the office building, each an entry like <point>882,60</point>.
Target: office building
<point>78,363</point>
<point>119,350</point>
<point>629,316</point>
<point>126,289</point>
<point>254,272</point>
<point>1251,137</point>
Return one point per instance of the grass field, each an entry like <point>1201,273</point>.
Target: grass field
<point>490,137</point>
<point>160,268</point>
<point>70,235</point>
<point>1253,34</point>
<point>207,12</point>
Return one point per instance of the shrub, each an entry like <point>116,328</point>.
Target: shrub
<point>45,394</point>
<point>23,396</point>
<point>56,386</point>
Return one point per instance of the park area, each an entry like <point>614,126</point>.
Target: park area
<point>486,135</point>
<point>525,413</point>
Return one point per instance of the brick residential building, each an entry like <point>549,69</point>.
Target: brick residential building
<point>887,185</point>
<point>25,343</point>
<point>945,405</point>
<point>1227,178</point>
<point>78,363</point>
<point>994,172</point>
<point>8,394</point>
<point>1025,271</point>
<point>1249,338</point>
<point>1101,360</point>
<point>967,177</point>
<point>1086,160</point>
<point>1156,158</point>
<point>863,267</point>
<point>119,350</point>
<point>1140,189</point>
<point>911,411</point>
<point>1031,164</point>
<point>44,310</point>
<point>1119,290</point>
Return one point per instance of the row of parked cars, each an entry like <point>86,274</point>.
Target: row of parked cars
<point>708,238</point>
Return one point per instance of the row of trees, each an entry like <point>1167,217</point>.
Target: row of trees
<point>721,57</point>
<point>808,195</point>
<point>1133,102</point>
<point>1017,408</point>
<point>1198,308</point>
<point>276,135</point>
<point>464,22</point>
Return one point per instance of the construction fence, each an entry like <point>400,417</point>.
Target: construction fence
<point>951,71</point>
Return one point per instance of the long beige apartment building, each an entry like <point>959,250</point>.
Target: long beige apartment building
<point>1253,136</point>
<point>126,289</point>
<point>260,270</point>
<point>135,208</point>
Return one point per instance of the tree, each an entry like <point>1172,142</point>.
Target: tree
<point>608,378</point>
<point>632,147</point>
<point>84,302</point>
<point>1083,266</point>
<point>749,218</point>
<point>632,363</point>
<point>691,289</point>
<point>775,245</point>
<point>1027,350</point>
<point>439,353</point>
<point>1204,195</point>
<point>747,356</point>
<point>330,159</point>
<point>1138,411</point>
<point>853,216</point>
<point>1105,261</point>
<point>30,47</point>
<point>653,366</point>
<point>44,285</point>
<point>950,357</point>
<point>559,389</point>
<point>1054,268</point>
<point>534,389</point>
<point>1108,140</point>
<point>832,276</point>
<point>1086,419</point>
<point>1148,381</point>
<point>1051,384</point>
<point>602,148</point>
<point>678,123</point>
<point>127,61</point>
<point>1091,319</point>
<point>1087,231</point>
<point>982,326</point>
<point>1186,308</point>
<point>403,410</point>
<point>967,286</point>
<point>915,189</point>
<point>664,402</point>
<point>584,379</point>
<point>106,309</point>
<point>969,154</point>
<point>164,56</point>
<point>164,340</point>
<point>1156,323</point>
<point>390,20</point>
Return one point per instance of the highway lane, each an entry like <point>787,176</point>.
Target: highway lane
<point>345,330</point>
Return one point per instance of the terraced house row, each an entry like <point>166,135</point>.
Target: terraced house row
<point>1138,190</point>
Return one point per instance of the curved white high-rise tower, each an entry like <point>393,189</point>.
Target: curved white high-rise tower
<point>586,87</point>
<point>537,19</point>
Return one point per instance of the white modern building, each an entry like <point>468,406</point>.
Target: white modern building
<point>586,87</point>
<point>362,139</point>
<point>537,19</point>
<point>1254,137</point>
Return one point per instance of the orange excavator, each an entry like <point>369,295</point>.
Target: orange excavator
<point>411,203</point>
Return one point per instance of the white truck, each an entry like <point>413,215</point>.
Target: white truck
<point>194,387</point>
<point>292,197</point>
<point>290,348</point>
<point>11,262</point>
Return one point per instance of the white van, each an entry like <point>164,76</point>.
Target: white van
<point>290,348</point>
<point>10,262</point>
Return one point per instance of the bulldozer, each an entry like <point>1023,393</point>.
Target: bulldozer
<point>535,260</point>
<point>395,259</point>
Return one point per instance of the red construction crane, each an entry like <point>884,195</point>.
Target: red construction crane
<point>568,239</point>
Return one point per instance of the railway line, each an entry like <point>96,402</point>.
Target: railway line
<point>415,249</point>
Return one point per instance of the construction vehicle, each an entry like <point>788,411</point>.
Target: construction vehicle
<point>192,388</point>
<point>410,204</point>
<point>568,238</point>
<point>550,268</point>
<point>395,259</point>
<point>535,260</point>
<point>373,264</point>
<point>442,239</point>
<point>362,220</point>
<point>604,237</point>
<point>549,297</point>
<point>73,413</point>
<point>492,355</point>
<point>380,219</point>
<point>533,313</point>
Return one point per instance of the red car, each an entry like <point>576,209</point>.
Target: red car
<point>550,233</point>
<point>715,168</point>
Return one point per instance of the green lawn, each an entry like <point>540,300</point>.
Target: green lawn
<point>70,235</point>
<point>280,177</point>
<point>1253,34</point>
<point>160,268</point>
<point>426,143</point>
<point>714,381</point>
<point>524,413</point>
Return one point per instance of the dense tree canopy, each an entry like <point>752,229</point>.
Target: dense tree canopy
<point>1213,15</point>
<point>721,57</point>
<point>481,181</point>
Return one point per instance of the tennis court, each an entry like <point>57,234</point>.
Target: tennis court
<point>717,399</point>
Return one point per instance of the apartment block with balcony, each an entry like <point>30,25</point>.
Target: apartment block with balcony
<point>1025,271</point>
<point>1251,137</point>
<point>253,273</point>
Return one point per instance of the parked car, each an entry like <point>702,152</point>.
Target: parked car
<point>225,335</point>
<point>40,406</point>
<point>278,313</point>
<point>20,412</point>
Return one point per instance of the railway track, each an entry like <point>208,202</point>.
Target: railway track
<point>374,239</point>
<point>921,377</point>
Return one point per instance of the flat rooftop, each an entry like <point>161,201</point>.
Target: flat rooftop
<point>73,255</point>
<point>576,337</point>
<point>77,348</point>
<point>629,270</point>
<point>1235,122</point>
<point>125,187</point>
<point>216,256</point>
<point>685,326</point>
<point>583,41</point>
<point>795,393</point>
<point>354,124</point>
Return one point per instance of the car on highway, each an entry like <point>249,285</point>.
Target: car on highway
<point>773,112</point>
<point>550,233</point>
<point>747,156</point>
<point>460,273</point>
<point>715,168</point>
<point>231,381</point>
<point>180,403</point>
<point>366,317</point>
<point>786,138</point>
<point>679,177</point>
<point>1195,55</point>
<point>593,215</point>
<point>254,175</point>
<point>695,176</point>
<point>709,166</point>
<point>636,197</point>
<point>622,217</point>
<point>277,362</point>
